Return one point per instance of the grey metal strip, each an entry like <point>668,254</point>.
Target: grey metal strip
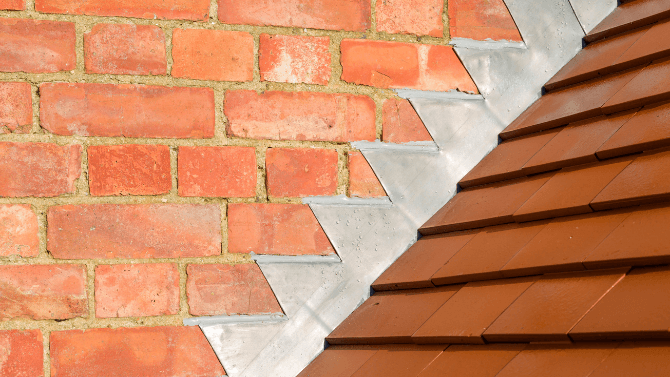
<point>452,94</point>
<point>234,319</point>
<point>488,44</point>
<point>343,200</point>
<point>415,146</point>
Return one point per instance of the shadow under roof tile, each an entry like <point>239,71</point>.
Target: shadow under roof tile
<point>630,15</point>
<point>639,359</point>
<point>406,361</point>
<point>653,45</point>
<point>650,86</point>
<point>472,361</point>
<point>338,361</point>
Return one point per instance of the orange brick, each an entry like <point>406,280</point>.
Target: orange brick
<point>300,116</point>
<point>16,107</point>
<point>481,20</point>
<point>283,229</point>
<point>420,17</point>
<point>215,289</point>
<point>300,172</point>
<point>136,290</point>
<point>228,172</point>
<point>403,65</point>
<point>353,15</point>
<point>401,123</point>
<point>18,231</point>
<point>133,352</point>
<point>294,59</point>
<point>363,182</point>
<point>21,353</point>
<point>127,110</point>
<point>129,169</point>
<point>38,169</point>
<point>36,46</point>
<point>12,5</point>
<point>43,292</point>
<point>196,10</point>
<point>125,49</point>
<point>213,55</point>
<point>134,231</point>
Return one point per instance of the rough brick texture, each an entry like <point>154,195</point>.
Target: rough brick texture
<point>135,290</point>
<point>215,289</point>
<point>127,110</point>
<point>481,20</point>
<point>125,49</point>
<point>403,65</point>
<point>353,15</point>
<point>300,172</point>
<point>401,123</point>
<point>213,55</point>
<point>16,107</point>
<point>129,169</point>
<point>36,46</point>
<point>420,17</point>
<point>38,169</point>
<point>133,352</point>
<point>363,182</point>
<point>18,231</point>
<point>294,59</point>
<point>21,353</point>
<point>228,172</point>
<point>12,4</point>
<point>197,10</point>
<point>282,229</point>
<point>300,116</point>
<point>134,231</point>
<point>43,291</point>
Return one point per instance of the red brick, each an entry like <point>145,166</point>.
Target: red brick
<point>228,172</point>
<point>134,231</point>
<point>420,17</point>
<point>16,107</point>
<point>403,65</point>
<point>21,353</point>
<point>213,55</point>
<point>18,231</point>
<point>300,172</point>
<point>38,169</point>
<point>197,10</point>
<point>127,110</point>
<point>401,123</point>
<point>12,4</point>
<point>133,352</point>
<point>294,59</point>
<point>43,292</point>
<point>300,116</point>
<point>362,179</point>
<point>283,229</point>
<point>129,169</point>
<point>135,290</point>
<point>481,20</point>
<point>215,289</point>
<point>125,49</point>
<point>353,15</point>
<point>36,46</point>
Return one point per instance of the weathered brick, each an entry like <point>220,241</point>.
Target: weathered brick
<point>134,231</point>
<point>56,291</point>
<point>16,107</point>
<point>403,65</point>
<point>353,15</point>
<point>38,169</point>
<point>135,290</point>
<point>127,110</point>
<point>133,352</point>
<point>215,289</point>
<point>363,182</point>
<point>21,353</point>
<point>481,20</point>
<point>36,46</point>
<point>282,229</point>
<point>294,59</point>
<point>420,17</point>
<point>228,172</point>
<point>18,231</point>
<point>213,55</point>
<point>129,169</point>
<point>197,10</point>
<point>12,4</point>
<point>300,116</point>
<point>125,49</point>
<point>300,172</point>
<point>401,123</point>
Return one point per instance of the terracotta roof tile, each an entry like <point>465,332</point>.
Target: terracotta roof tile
<point>647,87</point>
<point>402,361</point>
<point>653,45</point>
<point>472,361</point>
<point>338,361</point>
<point>640,359</point>
<point>630,15</point>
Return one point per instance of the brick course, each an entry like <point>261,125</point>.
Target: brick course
<point>401,124</point>
<point>21,353</point>
<point>363,182</point>
<point>36,46</point>
<point>197,10</point>
<point>419,17</point>
<point>12,4</point>
<point>294,59</point>
<point>16,108</point>
<point>300,172</point>
<point>18,231</point>
<point>228,172</point>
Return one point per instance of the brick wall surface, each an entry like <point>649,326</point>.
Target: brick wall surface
<point>148,147</point>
